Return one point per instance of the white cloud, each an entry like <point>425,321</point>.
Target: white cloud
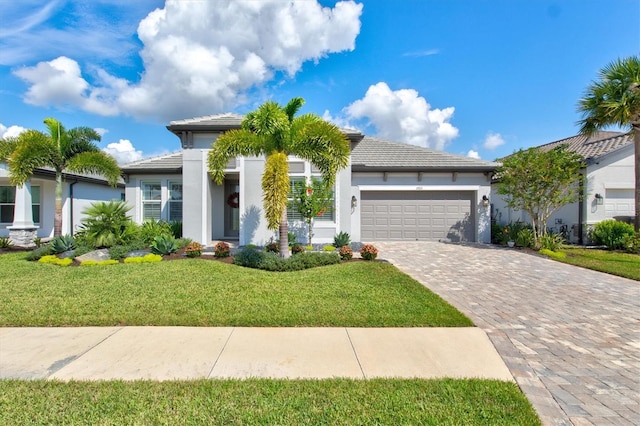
<point>473,154</point>
<point>11,131</point>
<point>201,57</point>
<point>123,151</point>
<point>101,131</point>
<point>421,53</point>
<point>493,140</point>
<point>404,116</point>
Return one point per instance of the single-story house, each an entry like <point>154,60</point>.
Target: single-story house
<point>608,187</point>
<point>32,206</point>
<point>389,191</point>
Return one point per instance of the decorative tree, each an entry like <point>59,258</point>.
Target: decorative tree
<point>273,131</point>
<point>311,201</point>
<point>539,182</point>
<point>614,100</point>
<point>61,149</point>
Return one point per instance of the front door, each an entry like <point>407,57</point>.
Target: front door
<point>232,210</point>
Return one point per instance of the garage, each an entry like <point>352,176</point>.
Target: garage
<point>619,203</point>
<point>417,215</point>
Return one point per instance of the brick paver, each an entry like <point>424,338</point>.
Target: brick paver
<point>570,336</point>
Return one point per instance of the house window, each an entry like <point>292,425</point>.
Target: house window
<point>175,201</point>
<point>329,215</point>
<point>293,214</point>
<point>151,200</point>
<point>8,200</point>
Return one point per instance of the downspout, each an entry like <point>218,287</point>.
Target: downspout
<point>71,205</point>
<point>581,187</point>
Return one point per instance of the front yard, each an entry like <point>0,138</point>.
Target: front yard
<point>622,264</point>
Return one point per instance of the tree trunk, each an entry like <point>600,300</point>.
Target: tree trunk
<point>57,218</point>
<point>636,144</point>
<point>283,229</point>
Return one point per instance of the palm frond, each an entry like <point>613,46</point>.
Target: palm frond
<point>234,143</point>
<point>31,150</point>
<point>96,162</point>
<point>292,107</point>
<point>275,188</point>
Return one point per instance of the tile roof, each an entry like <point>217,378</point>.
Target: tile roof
<point>593,147</point>
<point>227,119</point>
<point>164,163</point>
<point>373,153</point>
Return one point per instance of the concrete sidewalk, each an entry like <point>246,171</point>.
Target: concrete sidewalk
<point>168,353</point>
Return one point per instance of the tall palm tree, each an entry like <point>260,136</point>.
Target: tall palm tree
<point>62,150</point>
<point>273,131</point>
<point>614,100</point>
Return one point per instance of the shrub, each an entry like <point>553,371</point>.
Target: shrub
<point>631,243</point>
<point>55,260</point>
<point>37,241</point>
<point>164,244</point>
<point>99,263</point>
<point>525,238</point>
<point>5,243</point>
<point>38,253</point>
<point>183,242</point>
<point>272,247</point>
<point>346,253</point>
<point>553,254</point>
<point>611,233</point>
<point>82,248</point>
<point>221,249</point>
<point>368,252</point>
<point>62,243</point>
<point>248,257</point>
<point>194,249</point>
<point>328,248</point>
<point>274,263</point>
<point>121,251</point>
<point>176,228</point>
<point>152,228</point>
<point>147,258</point>
<point>89,262</point>
<point>292,238</point>
<point>107,224</point>
<point>297,249</point>
<point>551,242</point>
<point>342,239</point>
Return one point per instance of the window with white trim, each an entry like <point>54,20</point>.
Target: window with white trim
<point>8,201</point>
<point>293,215</point>
<point>151,200</point>
<point>175,201</point>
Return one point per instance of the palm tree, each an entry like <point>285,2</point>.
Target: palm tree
<point>273,131</point>
<point>60,149</point>
<point>615,100</point>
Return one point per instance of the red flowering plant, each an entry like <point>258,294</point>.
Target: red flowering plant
<point>221,249</point>
<point>369,252</point>
<point>346,253</point>
<point>194,249</point>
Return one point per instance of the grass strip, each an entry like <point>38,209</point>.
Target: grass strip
<point>615,263</point>
<point>198,292</point>
<point>266,402</point>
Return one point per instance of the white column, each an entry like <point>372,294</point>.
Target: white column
<point>23,231</point>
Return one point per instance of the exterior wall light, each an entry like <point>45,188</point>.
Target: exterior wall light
<point>354,202</point>
<point>599,199</point>
<point>485,201</point>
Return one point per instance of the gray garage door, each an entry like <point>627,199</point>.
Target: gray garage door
<point>417,215</point>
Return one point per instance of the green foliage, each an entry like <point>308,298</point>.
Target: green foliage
<point>176,228</point>
<point>164,244</point>
<point>346,253</point>
<point>183,242</point>
<point>37,241</point>
<point>152,228</point>
<point>328,248</point>
<point>99,263</point>
<point>54,260</point>
<point>82,248</point>
<point>248,257</point>
<point>551,242</point>
<point>612,233</point>
<point>273,247</point>
<point>342,239</point>
<point>62,243</point>
<point>297,249</point>
<point>107,224</point>
<point>553,254</point>
<point>147,258</point>
<point>221,249</point>
<point>539,182</point>
<point>121,251</point>
<point>525,238</point>
<point>631,243</point>
<point>5,243</point>
<point>38,253</point>
<point>311,201</point>
<point>368,252</point>
<point>274,263</point>
<point>292,238</point>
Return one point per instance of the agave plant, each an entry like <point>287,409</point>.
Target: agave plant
<point>62,243</point>
<point>164,244</point>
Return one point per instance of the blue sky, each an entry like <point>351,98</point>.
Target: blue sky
<point>480,78</point>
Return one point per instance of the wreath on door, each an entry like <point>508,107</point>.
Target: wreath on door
<point>234,200</point>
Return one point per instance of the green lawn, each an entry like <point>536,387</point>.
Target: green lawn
<point>197,292</point>
<point>266,402</point>
<point>615,263</point>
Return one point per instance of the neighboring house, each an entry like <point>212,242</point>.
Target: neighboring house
<point>608,187</point>
<point>33,206</point>
<point>389,191</point>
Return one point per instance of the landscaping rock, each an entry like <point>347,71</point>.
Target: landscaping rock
<point>97,255</point>
<point>138,253</point>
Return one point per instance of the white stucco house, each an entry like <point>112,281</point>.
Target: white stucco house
<point>389,191</point>
<point>32,206</point>
<point>608,190</point>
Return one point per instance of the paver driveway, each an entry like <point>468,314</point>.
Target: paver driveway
<point>570,336</point>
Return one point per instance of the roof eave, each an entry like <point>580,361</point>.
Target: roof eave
<point>426,169</point>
